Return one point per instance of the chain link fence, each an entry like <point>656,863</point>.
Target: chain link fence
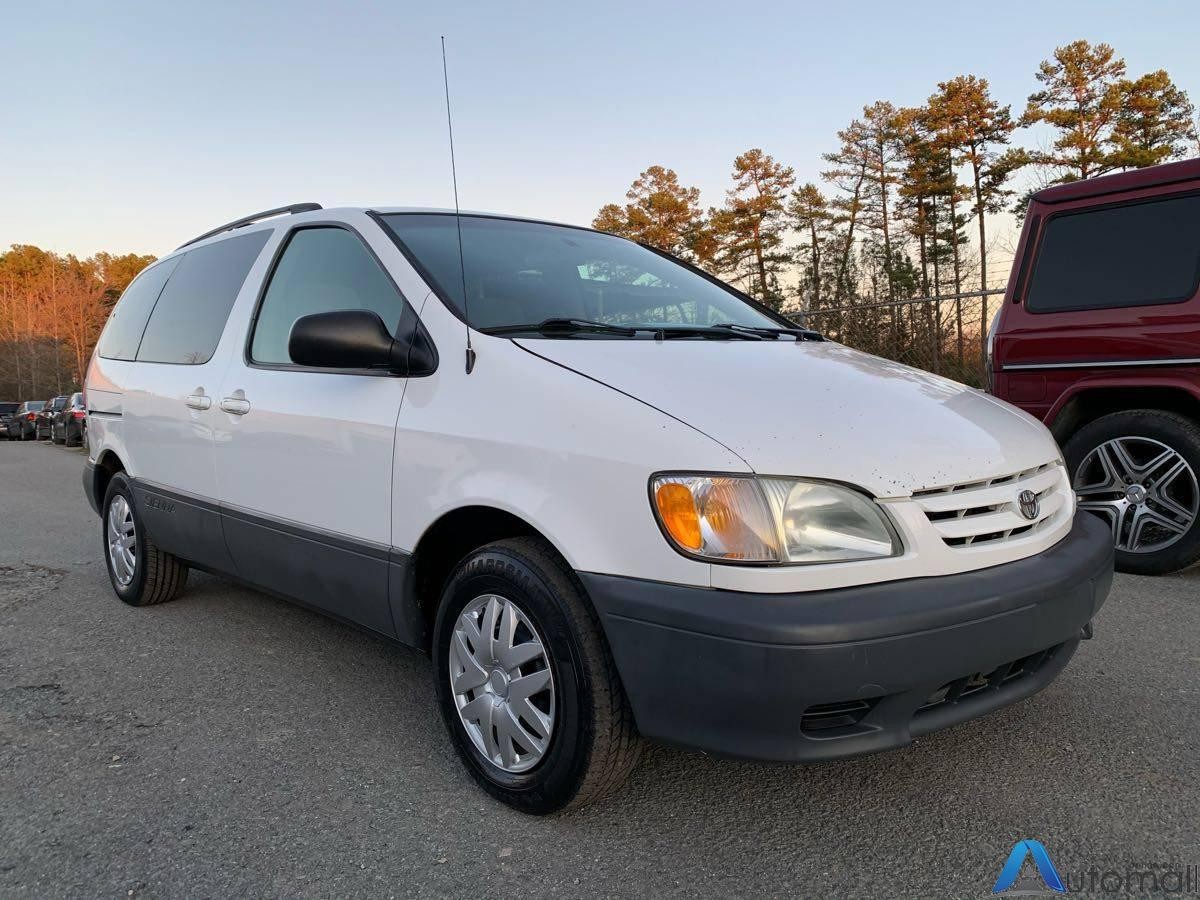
<point>945,334</point>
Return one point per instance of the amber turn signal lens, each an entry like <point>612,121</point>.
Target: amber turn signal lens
<point>678,513</point>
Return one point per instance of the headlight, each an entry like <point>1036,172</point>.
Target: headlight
<point>741,518</point>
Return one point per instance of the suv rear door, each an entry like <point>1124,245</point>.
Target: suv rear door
<point>304,455</point>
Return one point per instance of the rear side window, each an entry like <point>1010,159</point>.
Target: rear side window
<point>321,270</point>
<point>190,315</point>
<point>124,330</point>
<point>1137,254</point>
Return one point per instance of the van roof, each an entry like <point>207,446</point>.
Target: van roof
<point>1152,176</point>
<point>309,211</point>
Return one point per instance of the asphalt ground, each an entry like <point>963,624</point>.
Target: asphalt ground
<point>230,744</point>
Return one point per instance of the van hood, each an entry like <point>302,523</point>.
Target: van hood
<point>818,410</point>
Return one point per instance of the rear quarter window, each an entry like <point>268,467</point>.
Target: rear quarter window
<point>190,315</point>
<point>124,330</point>
<point>1133,254</point>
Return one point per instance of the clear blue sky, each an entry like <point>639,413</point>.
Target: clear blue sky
<point>132,127</point>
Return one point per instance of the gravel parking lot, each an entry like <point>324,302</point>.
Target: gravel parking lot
<point>231,744</point>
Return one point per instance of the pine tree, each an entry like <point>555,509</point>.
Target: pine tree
<point>921,182</point>
<point>661,213</point>
<point>847,173</point>
<point>810,215</point>
<point>750,228</point>
<point>973,128</point>
<point>1081,99</point>
<point>882,130</point>
<point>1154,122</point>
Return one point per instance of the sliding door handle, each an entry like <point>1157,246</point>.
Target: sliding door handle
<point>235,406</point>
<point>198,401</point>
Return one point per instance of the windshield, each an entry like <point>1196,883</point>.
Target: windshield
<point>34,405</point>
<point>523,273</point>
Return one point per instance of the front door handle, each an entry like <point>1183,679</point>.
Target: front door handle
<point>198,401</point>
<point>235,406</point>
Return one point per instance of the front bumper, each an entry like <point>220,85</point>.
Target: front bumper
<point>827,674</point>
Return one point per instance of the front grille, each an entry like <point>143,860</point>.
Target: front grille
<point>825,718</point>
<point>964,688</point>
<point>988,511</point>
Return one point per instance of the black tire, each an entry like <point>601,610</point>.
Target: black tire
<point>1177,432</point>
<point>55,440</point>
<point>158,576</point>
<point>594,744</point>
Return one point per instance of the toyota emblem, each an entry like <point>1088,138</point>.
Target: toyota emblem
<point>1028,501</point>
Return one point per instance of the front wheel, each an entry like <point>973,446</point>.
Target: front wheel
<point>526,683</point>
<point>1137,470</point>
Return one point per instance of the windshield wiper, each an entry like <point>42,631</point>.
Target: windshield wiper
<point>566,327</point>
<point>704,331</point>
<point>563,326</point>
<point>800,334</point>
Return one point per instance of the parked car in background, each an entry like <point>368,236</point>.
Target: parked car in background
<point>23,425</point>
<point>1099,337</point>
<point>45,417</point>
<point>7,411</point>
<point>70,423</point>
<point>609,516</point>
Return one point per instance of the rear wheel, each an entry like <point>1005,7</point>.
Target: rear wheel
<point>527,686</point>
<point>1138,471</point>
<point>140,572</point>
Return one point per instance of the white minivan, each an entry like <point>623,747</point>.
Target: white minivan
<point>612,497</point>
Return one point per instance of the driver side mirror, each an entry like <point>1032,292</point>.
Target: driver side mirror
<point>358,339</point>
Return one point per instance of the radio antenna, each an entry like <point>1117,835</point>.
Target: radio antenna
<point>462,266</point>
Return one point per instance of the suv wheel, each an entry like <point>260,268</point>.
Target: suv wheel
<point>1138,470</point>
<point>527,685</point>
<point>141,573</point>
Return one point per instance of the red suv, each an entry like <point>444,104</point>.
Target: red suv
<point>1099,337</point>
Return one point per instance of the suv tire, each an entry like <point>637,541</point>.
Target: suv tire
<point>153,576</point>
<point>592,744</point>
<point>1129,441</point>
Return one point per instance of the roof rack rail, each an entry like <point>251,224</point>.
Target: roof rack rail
<point>251,219</point>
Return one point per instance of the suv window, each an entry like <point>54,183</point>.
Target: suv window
<point>190,315</point>
<point>320,270</point>
<point>1136,254</point>
<point>124,330</point>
